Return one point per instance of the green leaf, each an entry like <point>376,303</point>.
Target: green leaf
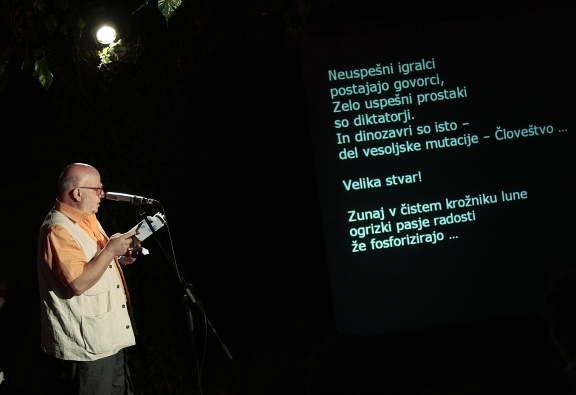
<point>42,70</point>
<point>168,7</point>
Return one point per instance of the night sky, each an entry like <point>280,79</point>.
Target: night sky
<point>206,114</point>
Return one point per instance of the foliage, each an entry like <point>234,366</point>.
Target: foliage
<point>39,28</point>
<point>42,71</point>
<point>51,40</point>
<point>166,7</point>
<point>107,53</point>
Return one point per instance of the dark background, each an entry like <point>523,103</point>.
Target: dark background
<point>206,114</point>
<point>500,263</point>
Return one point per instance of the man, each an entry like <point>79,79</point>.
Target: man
<point>85,311</point>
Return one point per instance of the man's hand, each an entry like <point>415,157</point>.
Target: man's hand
<point>132,253</point>
<point>120,244</point>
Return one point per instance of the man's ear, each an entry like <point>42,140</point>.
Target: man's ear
<point>75,194</point>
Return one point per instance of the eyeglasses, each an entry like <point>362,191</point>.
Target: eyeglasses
<point>98,190</point>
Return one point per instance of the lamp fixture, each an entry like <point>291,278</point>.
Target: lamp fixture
<point>106,35</point>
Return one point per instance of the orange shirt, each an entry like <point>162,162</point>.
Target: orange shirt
<point>63,254</point>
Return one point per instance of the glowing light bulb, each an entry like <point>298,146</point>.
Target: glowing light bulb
<point>106,35</point>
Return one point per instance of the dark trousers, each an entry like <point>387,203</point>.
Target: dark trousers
<point>106,376</point>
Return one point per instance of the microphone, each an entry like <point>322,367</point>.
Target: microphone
<point>124,197</point>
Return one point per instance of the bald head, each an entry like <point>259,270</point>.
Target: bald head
<point>75,175</point>
<point>76,187</point>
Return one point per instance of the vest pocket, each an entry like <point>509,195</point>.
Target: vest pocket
<point>98,333</point>
<point>96,304</point>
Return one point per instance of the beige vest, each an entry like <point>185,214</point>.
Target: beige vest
<point>87,327</point>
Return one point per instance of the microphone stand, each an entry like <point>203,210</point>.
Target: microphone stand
<point>189,299</point>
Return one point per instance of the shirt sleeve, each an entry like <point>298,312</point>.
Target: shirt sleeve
<point>63,254</point>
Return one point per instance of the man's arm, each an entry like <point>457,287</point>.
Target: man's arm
<point>94,269</point>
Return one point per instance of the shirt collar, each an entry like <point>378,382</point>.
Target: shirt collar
<point>74,214</point>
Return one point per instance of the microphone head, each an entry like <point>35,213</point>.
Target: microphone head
<point>118,197</point>
<point>134,199</point>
